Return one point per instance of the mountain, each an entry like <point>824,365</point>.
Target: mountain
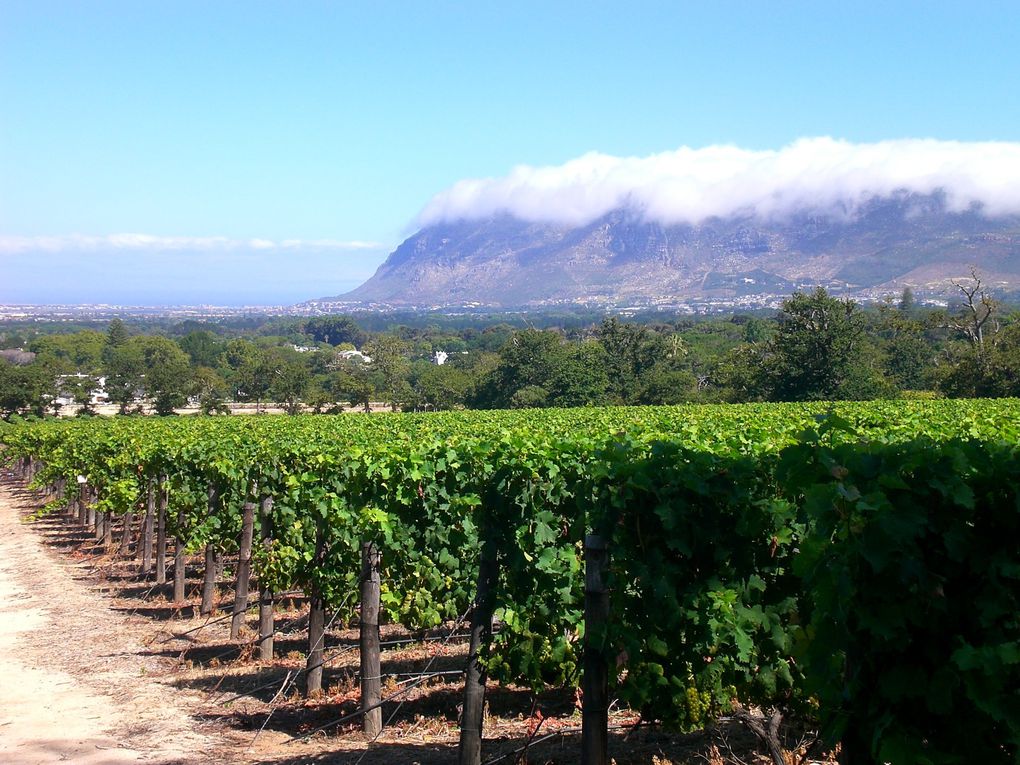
<point>620,259</point>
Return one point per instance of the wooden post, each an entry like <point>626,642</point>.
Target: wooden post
<point>179,559</point>
<point>595,680</point>
<point>161,532</point>
<point>82,509</point>
<point>371,665</point>
<point>243,569</point>
<point>211,565</point>
<point>470,747</point>
<point>267,627</point>
<point>59,491</point>
<point>90,509</point>
<point>124,550</point>
<point>97,525</point>
<point>108,530</point>
<point>316,626</point>
<point>146,540</point>
<point>209,581</point>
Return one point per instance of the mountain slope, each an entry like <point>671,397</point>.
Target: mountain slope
<point>503,261</point>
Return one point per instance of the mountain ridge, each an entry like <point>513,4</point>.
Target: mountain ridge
<point>621,258</point>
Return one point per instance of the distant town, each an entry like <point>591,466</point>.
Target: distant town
<point>750,303</point>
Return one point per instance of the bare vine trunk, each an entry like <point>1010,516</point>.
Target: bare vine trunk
<point>243,569</point>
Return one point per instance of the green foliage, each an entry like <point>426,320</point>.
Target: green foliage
<point>250,373</point>
<point>907,301</point>
<point>438,387</point>
<point>335,330</point>
<point>913,642</point>
<point>703,596</point>
<point>25,389</point>
<point>203,348</point>
<point>116,334</point>
<point>125,372</point>
<point>859,559</point>
<point>75,352</point>
<point>630,351</point>
<point>211,391</point>
<point>290,381</point>
<point>816,353</point>
<point>391,365</point>
<point>81,388</point>
<point>167,374</point>
<point>539,369</point>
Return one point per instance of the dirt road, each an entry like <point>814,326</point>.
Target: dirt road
<point>76,684</point>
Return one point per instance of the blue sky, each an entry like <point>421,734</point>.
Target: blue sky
<point>331,125</point>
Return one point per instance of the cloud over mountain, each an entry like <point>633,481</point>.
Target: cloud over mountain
<point>822,175</point>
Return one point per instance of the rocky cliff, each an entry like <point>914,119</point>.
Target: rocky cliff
<point>621,258</point>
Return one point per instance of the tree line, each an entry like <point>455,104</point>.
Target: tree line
<point>816,347</point>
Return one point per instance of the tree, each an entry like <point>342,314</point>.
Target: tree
<point>664,385</point>
<point>816,353</point>
<point>391,365</point>
<point>907,360</point>
<point>321,398</point>
<point>527,360</point>
<point>289,383</point>
<point>756,330</point>
<point>973,371</point>
<point>81,388</point>
<point>335,330</point>
<point>26,389</point>
<point>211,391</point>
<point>906,355</point>
<point>167,375</point>
<point>76,352</point>
<point>630,350</point>
<point>529,397</point>
<point>116,334</point>
<point>907,301</point>
<point>436,386</point>
<point>976,316</point>
<point>203,348</point>
<point>580,378</point>
<point>250,373</point>
<point>125,368</point>
<point>354,387</point>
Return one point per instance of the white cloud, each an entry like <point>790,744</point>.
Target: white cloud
<point>690,185</point>
<point>148,242</point>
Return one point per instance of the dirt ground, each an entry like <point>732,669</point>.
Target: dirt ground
<point>109,410</point>
<point>97,667</point>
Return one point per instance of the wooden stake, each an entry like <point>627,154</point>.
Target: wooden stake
<point>125,536</point>
<point>243,569</point>
<point>267,626</point>
<point>371,666</point>
<point>107,530</point>
<point>470,747</point>
<point>595,681</point>
<point>211,565</point>
<point>161,532</point>
<point>90,510</point>
<point>316,626</point>
<point>147,526</point>
<point>179,559</point>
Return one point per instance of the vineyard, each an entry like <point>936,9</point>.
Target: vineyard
<point>853,564</point>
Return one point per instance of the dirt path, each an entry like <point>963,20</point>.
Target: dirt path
<point>75,683</point>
